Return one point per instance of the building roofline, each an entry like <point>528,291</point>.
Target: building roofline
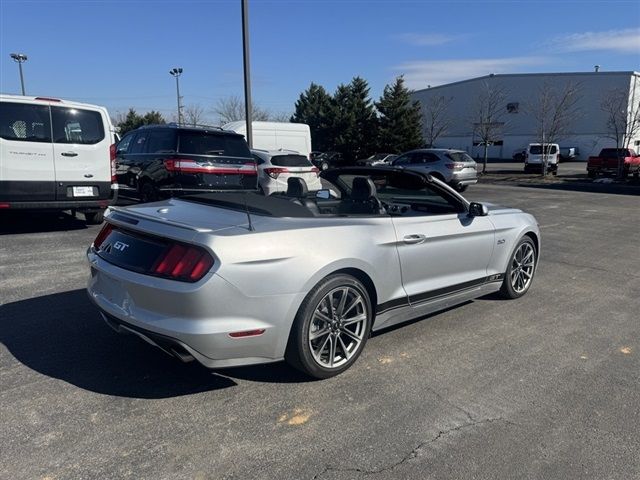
<point>630,73</point>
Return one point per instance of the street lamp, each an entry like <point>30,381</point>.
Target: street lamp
<point>247,71</point>
<point>20,58</point>
<point>176,72</point>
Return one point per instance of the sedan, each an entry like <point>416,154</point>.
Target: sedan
<point>236,278</point>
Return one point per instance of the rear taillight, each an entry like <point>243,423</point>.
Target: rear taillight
<point>274,172</point>
<point>183,262</point>
<point>107,228</point>
<point>454,166</point>
<point>191,166</point>
<point>112,158</point>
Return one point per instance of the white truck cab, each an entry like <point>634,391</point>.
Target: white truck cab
<point>56,155</point>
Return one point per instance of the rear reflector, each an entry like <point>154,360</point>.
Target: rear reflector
<point>5,205</point>
<point>191,166</point>
<point>247,333</point>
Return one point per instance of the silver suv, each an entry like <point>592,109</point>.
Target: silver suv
<point>454,167</point>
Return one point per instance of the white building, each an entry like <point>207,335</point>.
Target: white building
<point>588,131</point>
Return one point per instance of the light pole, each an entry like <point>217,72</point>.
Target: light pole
<point>247,71</point>
<point>176,72</point>
<point>20,58</point>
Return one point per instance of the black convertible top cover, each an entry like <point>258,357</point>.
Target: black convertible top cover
<point>255,203</point>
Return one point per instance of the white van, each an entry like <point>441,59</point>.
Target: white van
<point>56,155</point>
<point>276,135</point>
<point>534,157</point>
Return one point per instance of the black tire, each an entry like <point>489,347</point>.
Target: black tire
<point>94,218</point>
<point>148,193</point>
<point>299,354</point>
<point>508,290</point>
<point>592,173</point>
<point>460,188</point>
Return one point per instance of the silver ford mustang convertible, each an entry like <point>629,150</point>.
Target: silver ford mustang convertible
<point>236,278</point>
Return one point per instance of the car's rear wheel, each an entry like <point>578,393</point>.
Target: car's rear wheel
<point>459,187</point>
<point>331,327</point>
<point>520,271</point>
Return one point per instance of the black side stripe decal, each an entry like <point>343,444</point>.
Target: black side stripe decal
<point>440,292</point>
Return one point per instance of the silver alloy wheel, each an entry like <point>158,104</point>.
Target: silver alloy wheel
<point>522,267</point>
<point>337,327</point>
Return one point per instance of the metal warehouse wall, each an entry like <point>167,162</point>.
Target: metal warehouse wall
<point>589,129</point>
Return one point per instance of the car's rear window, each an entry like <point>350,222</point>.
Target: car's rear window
<point>537,149</point>
<point>202,143</point>
<point>25,122</point>
<point>460,157</point>
<point>290,161</point>
<point>613,152</point>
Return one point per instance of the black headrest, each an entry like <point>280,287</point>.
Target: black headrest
<point>363,188</point>
<point>296,187</point>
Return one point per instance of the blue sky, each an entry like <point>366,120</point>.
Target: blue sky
<point>119,53</point>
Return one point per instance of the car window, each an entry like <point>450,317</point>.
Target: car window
<point>259,161</point>
<point>138,145</point>
<point>76,125</point>
<point>460,157</point>
<point>423,157</point>
<point>290,161</point>
<point>123,145</point>
<point>24,122</point>
<point>537,149</point>
<point>162,140</point>
<point>203,143</point>
<point>403,159</point>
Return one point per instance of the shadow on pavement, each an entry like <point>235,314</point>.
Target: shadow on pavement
<point>629,188</point>
<point>62,336</point>
<point>35,222</point>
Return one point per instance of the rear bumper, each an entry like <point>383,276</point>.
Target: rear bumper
<point>193,320</point>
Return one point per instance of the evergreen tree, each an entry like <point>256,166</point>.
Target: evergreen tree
<point>132,120</point>
<point>400,126</point>
<point>315,107</point>
<point>362,136</point>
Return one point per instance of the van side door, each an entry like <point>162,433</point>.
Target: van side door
<point>27,170</point>
<point>81,153</point>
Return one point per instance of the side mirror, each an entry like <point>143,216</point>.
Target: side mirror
<point>478,210</point>
<point>323,194</point>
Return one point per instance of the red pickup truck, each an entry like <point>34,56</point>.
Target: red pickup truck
<point>607,162</point>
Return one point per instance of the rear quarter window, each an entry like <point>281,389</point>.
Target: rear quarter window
<point>76,125</point>
<point>24,122</point>
<point>290,161</point>
<point>214,144</point>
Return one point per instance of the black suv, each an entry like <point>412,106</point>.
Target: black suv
<point>156,161</point>
<point>328,160</point>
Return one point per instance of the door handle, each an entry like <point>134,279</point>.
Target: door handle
<point>414,239</point>
<point>69,154</point>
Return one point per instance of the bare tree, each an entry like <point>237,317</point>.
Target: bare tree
<point>488,117</point>
<point>554,110</point>
<point>623,121</point>
<point>231,109</point>
<point>193,115</point>
<point>283,117</point>
<point>437,120</point>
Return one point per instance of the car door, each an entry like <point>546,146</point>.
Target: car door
<point>27,171</point>
<point>81,153</point>
<point>125,183</point>
<point>441,248</point>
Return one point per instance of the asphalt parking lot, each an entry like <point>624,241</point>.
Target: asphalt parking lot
<point>547,386</point>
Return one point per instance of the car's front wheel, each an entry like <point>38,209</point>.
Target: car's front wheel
<point>331,327</point>
<point>520,271</point>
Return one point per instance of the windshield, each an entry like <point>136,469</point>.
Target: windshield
<point>537,149</point>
